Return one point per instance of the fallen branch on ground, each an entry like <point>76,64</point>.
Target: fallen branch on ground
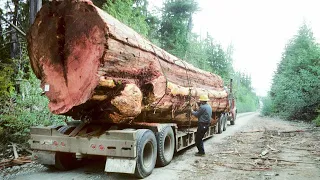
<point>13,162</point>
<point>251,131</point>
<point>244,169</point>
<point>274,159</point>
<point>272,131</point>
<point>291,131</point>
<point>297,148</point>
<point>272,149</point>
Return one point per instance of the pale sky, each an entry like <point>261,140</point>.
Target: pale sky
<point>258,30</point>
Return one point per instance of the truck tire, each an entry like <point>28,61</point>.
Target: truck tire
<point>146,153</point>
<point>220,124</point>
<point>224,123</point>
<point>65,161</point>
<point>232,122</point>
<point>165,146</point>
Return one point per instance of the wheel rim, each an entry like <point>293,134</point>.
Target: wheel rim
<point>221,127</point>
<point>167,147</point>
<point>147,155</point>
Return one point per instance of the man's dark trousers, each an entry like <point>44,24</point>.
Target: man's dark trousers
<point>202,129</point>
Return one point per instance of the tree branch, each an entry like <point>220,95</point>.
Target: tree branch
<point>14,26</point>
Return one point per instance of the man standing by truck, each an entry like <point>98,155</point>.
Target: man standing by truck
<point>204,114</point>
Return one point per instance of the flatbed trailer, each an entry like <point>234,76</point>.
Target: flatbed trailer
<point>134,149</point>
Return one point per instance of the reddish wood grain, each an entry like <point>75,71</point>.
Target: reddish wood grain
<point>100,69</point>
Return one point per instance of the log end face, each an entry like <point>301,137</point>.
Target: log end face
<point>66,44</point>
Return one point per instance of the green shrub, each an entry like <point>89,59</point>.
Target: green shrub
<point>22,110</point>
<point>12,130</point>
<point>317,120</point>
<point>267,107</point>
<point>246,100</point>
<point>6,84</point>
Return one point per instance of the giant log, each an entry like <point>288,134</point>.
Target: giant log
<point>94,68</point>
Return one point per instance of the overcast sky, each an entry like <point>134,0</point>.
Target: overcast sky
<point>258,30</point>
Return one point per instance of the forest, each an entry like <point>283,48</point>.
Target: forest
<point>294,93</point>
<point>170,27</point>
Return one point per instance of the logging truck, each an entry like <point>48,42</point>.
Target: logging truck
<point>130,99</point>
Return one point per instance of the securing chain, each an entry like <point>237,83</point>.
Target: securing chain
<point>188,83</point>
<point>189,96</point>
<point>165,76</point>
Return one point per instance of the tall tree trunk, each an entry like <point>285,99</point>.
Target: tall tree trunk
<point>35,6</point>
<point>15,49</point>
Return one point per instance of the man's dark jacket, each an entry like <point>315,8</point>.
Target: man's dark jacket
<point>204,113</point>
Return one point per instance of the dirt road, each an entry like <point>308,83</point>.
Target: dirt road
<point>255,148</point>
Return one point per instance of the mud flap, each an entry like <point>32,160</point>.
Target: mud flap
<point>120,165</point>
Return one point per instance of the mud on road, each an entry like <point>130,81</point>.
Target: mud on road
<point>255,148</point>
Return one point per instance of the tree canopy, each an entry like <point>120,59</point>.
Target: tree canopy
<point>176,25</point>
<point>131,12</point>
<point>295,89</point>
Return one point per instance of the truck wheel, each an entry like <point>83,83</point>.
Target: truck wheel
<point>146,153</point>
<point>232,122</point>
<point>224,122</point>
<point>220,124</point>
<point>165,146</point>
<point>65,161</point>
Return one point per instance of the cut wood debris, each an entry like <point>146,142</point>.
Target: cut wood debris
<point>14,162</point>
<point>14,148</point>
<point>264,152</point>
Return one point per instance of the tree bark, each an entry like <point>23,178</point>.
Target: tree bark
<point>95,68</point>
<point>14,49</point>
